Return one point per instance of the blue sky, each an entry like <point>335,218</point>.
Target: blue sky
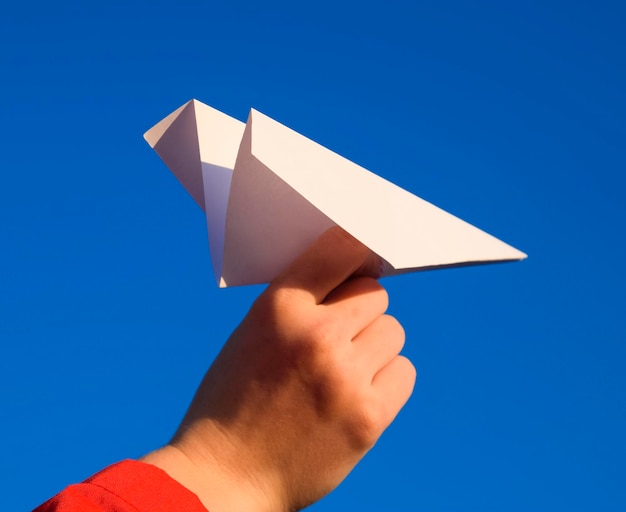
<point>509,115</point>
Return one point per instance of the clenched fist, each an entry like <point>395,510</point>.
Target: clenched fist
<point>300,392</point>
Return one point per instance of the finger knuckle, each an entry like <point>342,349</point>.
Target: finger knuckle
<point>365,425</point>
<point>317,347</point>
<point>396,331</point>
<point>409,369</point>
<point>383,296</point>
<point>372,286</point>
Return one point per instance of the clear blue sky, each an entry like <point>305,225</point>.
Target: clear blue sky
<point>511,115</point>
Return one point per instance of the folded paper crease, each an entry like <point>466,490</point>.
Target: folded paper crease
<point>268,192</point>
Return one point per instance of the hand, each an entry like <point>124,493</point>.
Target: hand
<point>301,391</point>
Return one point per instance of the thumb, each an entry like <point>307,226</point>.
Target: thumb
<point>334,257</point>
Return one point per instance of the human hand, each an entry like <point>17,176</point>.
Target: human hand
<point>301,391</point>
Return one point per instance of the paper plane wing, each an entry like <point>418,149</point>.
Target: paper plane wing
<point>268,192</point>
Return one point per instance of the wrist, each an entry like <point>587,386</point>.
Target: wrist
<point>220,476</point>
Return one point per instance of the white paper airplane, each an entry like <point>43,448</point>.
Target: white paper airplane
<point>269,192</point>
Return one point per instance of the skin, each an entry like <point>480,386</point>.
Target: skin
<point>301,391</point>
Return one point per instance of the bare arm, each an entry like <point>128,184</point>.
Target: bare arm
<point>301,391</point>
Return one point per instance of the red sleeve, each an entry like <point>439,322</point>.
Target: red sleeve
<point>128,486</point>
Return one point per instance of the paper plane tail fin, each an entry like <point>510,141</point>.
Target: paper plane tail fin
<point>175,140</point>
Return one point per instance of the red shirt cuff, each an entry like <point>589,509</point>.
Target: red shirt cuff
<point>128,486</point>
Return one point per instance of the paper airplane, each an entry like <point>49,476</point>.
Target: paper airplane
<point>269,192</point>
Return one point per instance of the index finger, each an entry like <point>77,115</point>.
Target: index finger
<point>329,261</point>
